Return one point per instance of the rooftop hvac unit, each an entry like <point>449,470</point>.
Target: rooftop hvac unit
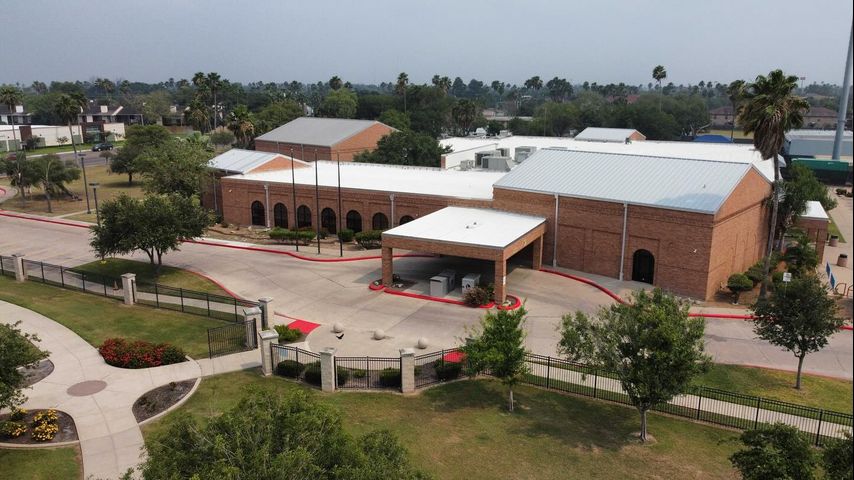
<point>479,156</point>
<point>466,164</point>
<point>504,151</point>
<point>523,153</point>
<point>496,163</point>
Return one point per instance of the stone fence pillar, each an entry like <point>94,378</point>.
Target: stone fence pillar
<point>253,317</point>
<point>129,288</point>
<point>266,313</point>
<point>407,370</point>
<point>267,339</point>
<point>20,274</point>
<point>328,377</point>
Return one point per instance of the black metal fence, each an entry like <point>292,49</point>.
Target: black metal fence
<point>306,365</point>
<point>367,373</point>
<point>234,338</point>
<point>437,367</point>
<point>154,294</point>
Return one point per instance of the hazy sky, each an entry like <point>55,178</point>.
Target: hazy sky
<point>370,41</point>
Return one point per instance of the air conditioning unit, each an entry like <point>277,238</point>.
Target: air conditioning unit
<point>503,151</point>
<point>479,156</point>
<point>497,163</point>
<point>466,164</point>
<point>522,153</point>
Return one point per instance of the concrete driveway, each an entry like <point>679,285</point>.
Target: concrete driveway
<point>338,292</point>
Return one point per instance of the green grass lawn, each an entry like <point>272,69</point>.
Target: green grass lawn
<point>40,464</point>
<point>818,392</point>
<point>833,229</point>
<point>96,318</point>
<point>462,430</point>
<point>171,276</point>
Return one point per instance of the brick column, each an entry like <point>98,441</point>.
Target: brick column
<point>266,313</point>
<point>128,284</point>
<point>20,274</point>
<point>328,375</point>
<point>500,280</point>
<point>537,262</point>
<point>407,370</point>
<point>388,265</point>
<point>267,339</point>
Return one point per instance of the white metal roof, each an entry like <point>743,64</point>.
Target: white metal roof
<point>815,211</point>
<point>658,181</point>
<point>598,134</point>
<point>468,226</point>
<point>317,131</point>
<point>238,160</point>
<point>388,178</point>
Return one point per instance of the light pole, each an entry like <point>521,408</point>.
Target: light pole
<point>85,182</point>
<point>95,186</point>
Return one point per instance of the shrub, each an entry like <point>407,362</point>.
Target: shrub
<point>45,425</point>
<point>390,377</point>
<point>121,353</point>
<point>346,235</point>
<point>841,191</point>
<point>477,296</point>
<point>343,375</point>
<point>369,239</point>
<point>312,373</point>
<point>323,233</point>
<point>287,334</point>
<point>737,283</point>
<point>777,279</point>
<point>17,414</point>
<point>303,236</point>
<point>12,429</point>
<point>359,373</point>
<point>755,273</point>
<point>289,368</point>
<point>448,370</point>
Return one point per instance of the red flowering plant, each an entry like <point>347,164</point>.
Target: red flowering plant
<point>122,353</point>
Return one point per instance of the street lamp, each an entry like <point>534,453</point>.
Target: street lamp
<point>95,186</point>
<point>85,183</point>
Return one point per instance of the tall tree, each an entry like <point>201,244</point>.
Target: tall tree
<point>770,110</point>
<point>498,346</point>
<point>139,139</point>
<point>175,167</point>
<point>21,173</point>
<point>659,73</point>
<point>735,93</point>
<point>400,87</point>
<point>405,147</point>
<point>800,187</point>
<point>197,114</point>
<point>464,113</point>
<point>442,83</point>
<point>799,317</point>
<point>277,114</point>
<point>17,351</point>
<point>214,83</point>
<point>534,83</point>
<point>11,97</point>
<point>339,104</point>
<point>650,344</point>
<point>68,107</point>
<point>241,123</point>
<point>335,83</point>
<point>53,174</point>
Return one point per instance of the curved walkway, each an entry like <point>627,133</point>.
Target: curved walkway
<point>110,439</point>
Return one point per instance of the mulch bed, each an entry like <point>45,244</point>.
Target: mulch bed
<point>37,373</point>
<point>160,399</point>
<point>67,430</point>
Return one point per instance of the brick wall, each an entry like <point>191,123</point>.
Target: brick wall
<point>366,140</point>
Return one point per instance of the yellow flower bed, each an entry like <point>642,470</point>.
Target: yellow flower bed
<point>45,425</point>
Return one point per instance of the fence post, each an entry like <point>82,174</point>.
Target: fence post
<point>208,299</point>
<point>818,430</point>
<point>548,372</point>
<point>267,339</point>
<point>595,383</point>
<point>41,264</point>
<point>62,276</point>
<point>327,369</point>
<point>265,310</point>
<point>699,402</point>
<point>407,370</point>
<point>128,280</point>
<point>251,314</point>
<point>156,296</point>
<point>758,404</point>
<point>20,273</point>
<point>181,294</point>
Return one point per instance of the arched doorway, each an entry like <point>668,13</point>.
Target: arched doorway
<point>379,222</point>
<point>303,216</point>
<point>328,220</point>
<point>354,221</point>
<point>280,215</point>
<point>405,219</point>
<point>259,217</point>
<point>643,266</point>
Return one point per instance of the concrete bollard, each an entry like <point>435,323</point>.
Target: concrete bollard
<point>267,339</point>
<point>328,377</point>
<point>407,370</point>
<point>129,288</point>
<point>265,311</point>
<point>842,261</point>
<point>20,274</point>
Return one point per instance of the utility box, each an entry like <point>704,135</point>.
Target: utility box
<point>452,279</point>
<point>438,286</point>
<point>470,281</point>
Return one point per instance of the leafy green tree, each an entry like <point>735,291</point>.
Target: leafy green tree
<point>650,344</point>
<point>16,351</point>
<point>429,109</point>
<point>735,93</point>
<point>498,346</point>
<point>405,148</point>
<point>494,127</point>
<point>559,89</point>
<point>800,187</point>
<point>836,458</point>
<point>242,124</point>
<point>156,225</point>
<point>800,256</point>
<point>21,173</point>
<point>442,83</point>
<point>274,437</point>
<point>335,83</point>
<point>222,138</point>
<point>197,114</point>
<point>395,118</point>
<point>555,119</point>
<point>175,167</point>
<point>277,114</point>
<point>770,109</point>
<point>138,139</point>
<point>152,105</point>
<point>339,104</point>
<point>799,317</point>
<point>53,174</point>
<point>464,113</point>
<point>11,97</point>
<point>534,83</point>
<point>737,283</point>
<point>775,452</point>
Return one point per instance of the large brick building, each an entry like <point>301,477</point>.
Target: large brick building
<point>681,216</point>
<point>312,138</point>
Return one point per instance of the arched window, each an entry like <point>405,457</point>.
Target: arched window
<point>643,266</point>
<point>354,221</point>
<point>303,216</point>
<point>328,220</point>
<point>379,222</point>
<point>405,219</point>
<point>280,216</point>
<point>259,217</point>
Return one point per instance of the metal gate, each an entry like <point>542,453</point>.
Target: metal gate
<point>232,338</point>
<point>367,372</point>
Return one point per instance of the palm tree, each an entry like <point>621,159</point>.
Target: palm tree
<point>197,114</point>
<point>335,82</point>
<point>11,97</point>
<point>214,83</point>
<point>400,87</point>
<point>464,114</point>
<point>241,124</point>
<point>535,83</point>
<point>106,85</point>
<point>770,109</point>
<point>735,92</point>
<point>68,107</point>
<point>659,73</point>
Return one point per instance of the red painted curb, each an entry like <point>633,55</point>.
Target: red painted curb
<point>301,257</point>
<point>587,281</point>
<point>513,306</point>
<point>41,219</point>
<point>215,282</point>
